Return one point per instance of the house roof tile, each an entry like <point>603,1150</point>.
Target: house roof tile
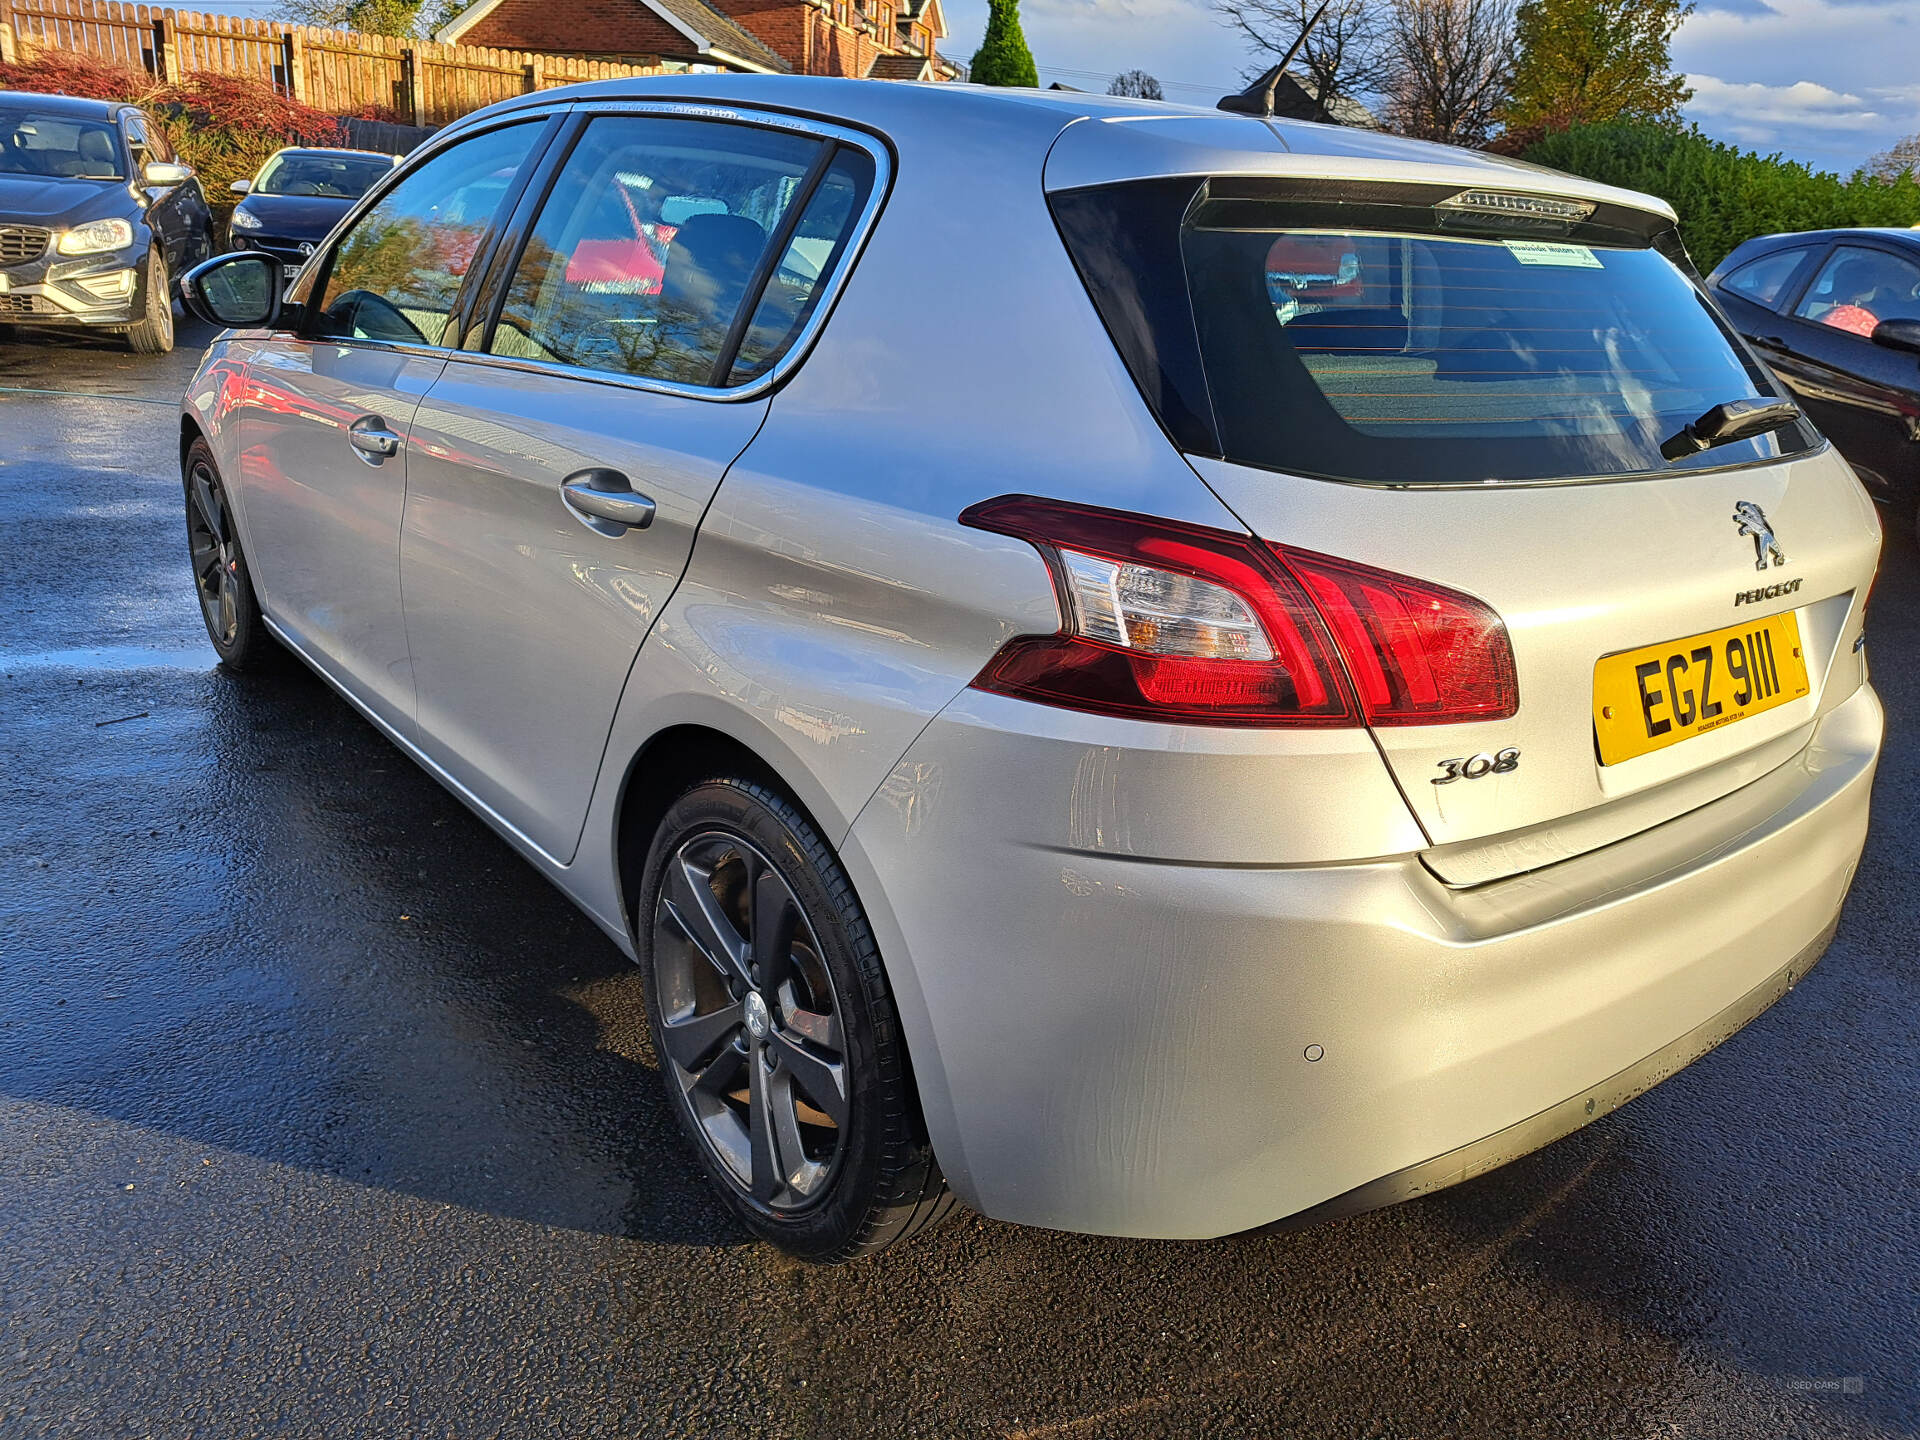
<point>722,33</point>
<point>900,67</point>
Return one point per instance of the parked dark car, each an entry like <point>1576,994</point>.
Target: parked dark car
<point>96,217</point>
<point>1836,313</point>
<point>298,197</point>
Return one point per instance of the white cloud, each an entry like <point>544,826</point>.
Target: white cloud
<point>1750,110</point>
<point>1782,22</point>
<point>1825,81</point>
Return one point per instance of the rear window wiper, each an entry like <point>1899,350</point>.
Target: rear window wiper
<point>1723,424</point>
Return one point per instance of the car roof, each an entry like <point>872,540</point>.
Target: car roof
<point>1840,232</point>
<point>333,150</point>
<point>76,105</point>
<point>1139,138</point>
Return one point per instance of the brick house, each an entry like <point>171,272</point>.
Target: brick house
<point>876,39</point>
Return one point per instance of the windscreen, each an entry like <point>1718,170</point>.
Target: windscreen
<point>334,177</point>
<point>1395,352</point>
<point>59,147</point>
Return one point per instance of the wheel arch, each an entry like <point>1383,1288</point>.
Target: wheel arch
<point>670,761</point>
<point>678,755</point>
<point>190,431</point>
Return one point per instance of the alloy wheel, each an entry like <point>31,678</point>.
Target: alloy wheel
<point>216,558</point>
<point>751,1026</point>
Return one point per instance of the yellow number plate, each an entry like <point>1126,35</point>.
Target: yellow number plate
<point>1647,699</point>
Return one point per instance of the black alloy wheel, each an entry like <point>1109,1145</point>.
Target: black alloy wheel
<point>776,1031</point>
<point>220,577</point>
<point>748,1019</point>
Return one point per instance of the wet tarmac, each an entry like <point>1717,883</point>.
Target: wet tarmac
<point>322,1115</point>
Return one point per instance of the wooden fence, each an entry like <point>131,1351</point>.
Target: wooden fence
<point>342,72</point>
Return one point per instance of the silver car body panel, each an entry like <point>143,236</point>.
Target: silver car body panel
<point>495,565</point>
<point>1113,941</point>
<point>322,523</point>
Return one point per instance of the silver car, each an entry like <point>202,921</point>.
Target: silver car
<point>1146,670</point>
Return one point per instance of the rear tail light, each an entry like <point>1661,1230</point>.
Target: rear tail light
<point>1188,624</point>
<point>1418,654</point>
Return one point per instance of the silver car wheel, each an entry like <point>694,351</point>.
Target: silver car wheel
<point>750,1021</point>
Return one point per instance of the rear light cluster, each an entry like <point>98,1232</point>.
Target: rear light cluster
<point>1188,624</point>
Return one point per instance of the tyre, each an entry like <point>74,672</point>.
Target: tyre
<point>220,576</point>
<point>153,335</point>
<point>777,1034</point>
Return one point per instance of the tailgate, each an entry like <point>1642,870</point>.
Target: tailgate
<point>1581,572</point>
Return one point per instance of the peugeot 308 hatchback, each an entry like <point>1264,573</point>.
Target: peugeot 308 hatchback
<point>1145,670</point>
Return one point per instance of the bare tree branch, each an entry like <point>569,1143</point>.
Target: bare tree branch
<point>1136,83</point>
<point>1450,67</point>
<point>1342,56</point>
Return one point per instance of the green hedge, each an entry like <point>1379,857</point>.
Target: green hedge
<point>1723,196</point>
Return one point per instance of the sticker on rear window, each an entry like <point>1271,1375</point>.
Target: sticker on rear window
<point>1542,252</point>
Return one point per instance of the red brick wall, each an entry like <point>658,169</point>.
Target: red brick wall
<point>576,27</point>
<point>781,26</point>
<point>838,50</point>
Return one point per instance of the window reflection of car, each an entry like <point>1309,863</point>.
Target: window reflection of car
<point>365,315</point>
<point>1836,313</point>
<point>297,198</point>
<point>96,218</point>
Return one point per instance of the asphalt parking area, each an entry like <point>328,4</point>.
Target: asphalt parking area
<point>322,1115</point>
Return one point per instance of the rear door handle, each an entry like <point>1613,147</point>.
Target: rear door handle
<point>370,436</point>
<point>606,501</point>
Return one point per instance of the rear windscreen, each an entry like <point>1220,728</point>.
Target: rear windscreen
<point>1394,352</point>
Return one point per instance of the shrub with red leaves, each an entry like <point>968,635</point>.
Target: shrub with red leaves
<point>58,73</point>
<point>225,126</point>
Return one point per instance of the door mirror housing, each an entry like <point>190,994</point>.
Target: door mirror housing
<point>164,174</point>
<point>1898,335</point>
<point>241,187</point>
<point>240,291</point>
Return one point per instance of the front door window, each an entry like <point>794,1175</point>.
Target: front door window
<point>1858,288</point>
<point>398,271</point>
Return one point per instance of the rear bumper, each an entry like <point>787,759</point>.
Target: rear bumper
<point>1490,1152</point>
<point>1166,1047</point>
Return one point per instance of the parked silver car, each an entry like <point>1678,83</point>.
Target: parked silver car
<point>1149,671</point>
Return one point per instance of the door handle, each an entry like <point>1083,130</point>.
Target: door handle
<point>370,436</point>
<point>1773,340</point>
<point>606,501</point>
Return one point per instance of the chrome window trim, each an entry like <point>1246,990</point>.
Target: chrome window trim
<point>760,385</point>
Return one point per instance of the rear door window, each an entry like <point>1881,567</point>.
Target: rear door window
<point>1399,353</point>
<point>798,281</point>
<point>1764,281</point>
<point>655,238</point>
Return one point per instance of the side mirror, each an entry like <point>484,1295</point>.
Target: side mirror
<point>1898,335</point>
<point>241,187</point>
<point>240,291</point>
<point>163,174</point>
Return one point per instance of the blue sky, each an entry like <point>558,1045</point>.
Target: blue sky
<point>1829,82</point>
